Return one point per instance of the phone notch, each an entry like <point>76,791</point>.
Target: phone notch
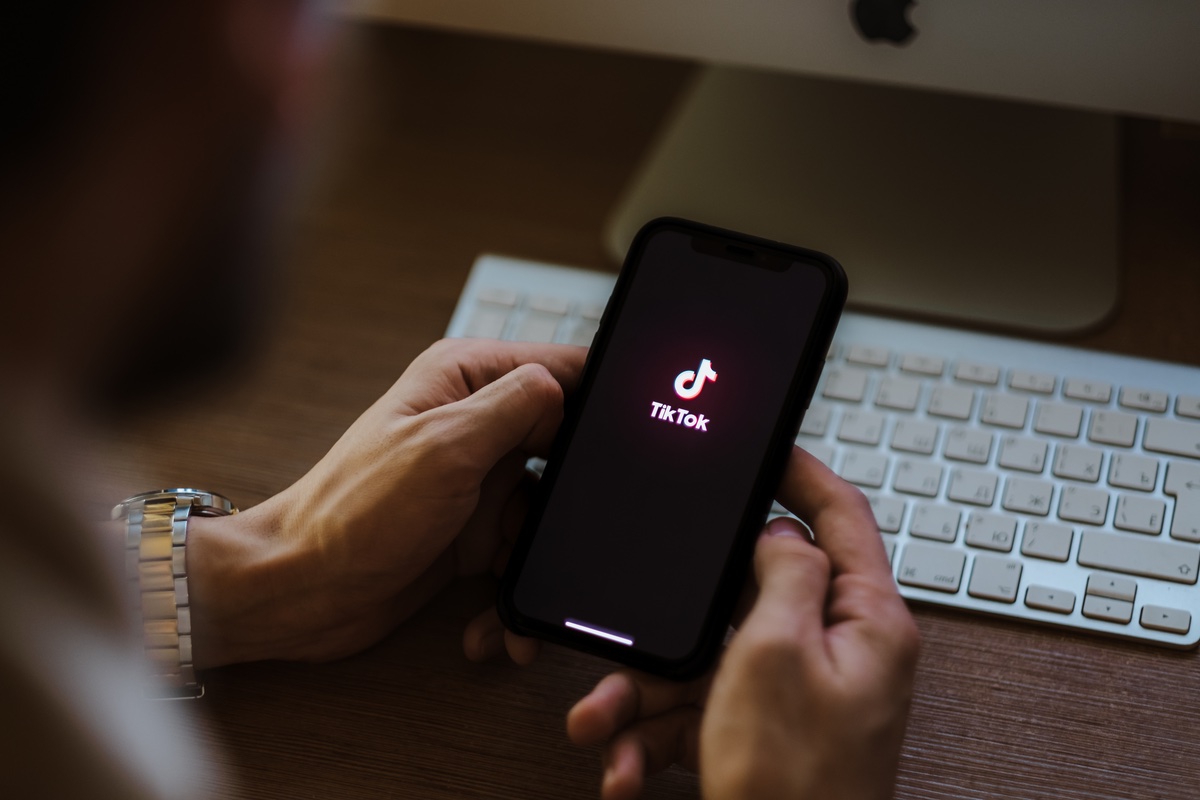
<point>743,253</point>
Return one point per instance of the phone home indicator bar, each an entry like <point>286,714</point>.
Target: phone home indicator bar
<point>612,636</point>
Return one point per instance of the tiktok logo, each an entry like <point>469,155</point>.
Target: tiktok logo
<point>696,378</point>
<point>688,385</point>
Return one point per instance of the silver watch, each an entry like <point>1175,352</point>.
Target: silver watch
<point>156,564</point>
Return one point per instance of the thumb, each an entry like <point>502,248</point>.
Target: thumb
<point>793,580</point>
<point>521,409</point>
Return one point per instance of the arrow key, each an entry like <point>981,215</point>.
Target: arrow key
<point>1107,609</point>
<point>1161,618</point>
<point>1047,598</point>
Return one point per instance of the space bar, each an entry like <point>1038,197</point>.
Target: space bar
<point>1134,556</point>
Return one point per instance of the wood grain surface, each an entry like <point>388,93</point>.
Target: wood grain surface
<point>438,148</point>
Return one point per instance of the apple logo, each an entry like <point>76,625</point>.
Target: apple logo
<point>883,19</point>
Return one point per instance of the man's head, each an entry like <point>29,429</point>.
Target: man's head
<point>137,160</point>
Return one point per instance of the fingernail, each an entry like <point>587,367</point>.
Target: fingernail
<point>783,526</point>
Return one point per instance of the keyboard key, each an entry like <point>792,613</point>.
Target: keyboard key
<point>935,522</point>
<point>966,444</point>
<point>1106,609</point>
<point>1133,472</point>
<point>1078,463</point>
<point>917,477</point>
<point>889,513</point>
<point>1028,495</point>
<point>974,372</point>
<point>592,312</point>
<point>1182,476</point>
<point>867,356</point>
<point>932,567</point>
<point>1004,410</point>
<point>1113,587</point>
<point>995,579</point>
<point>1058,419</point>
<point>816,420</point>
<point>898,393</point>
<point>1143,399</point>
<point>889,546</point>
<point>972,486</point>
<point>1113,427</point>
<point>915,436</point>
<point>498,296</point>
<point>1079,504</point>
<point>861,427</point>
<point>1185,525</point>
<point>1047,598</point>
<point>537,328</point>
<point>1047,540</point>
<point>549,304</point>
<point>1138,555</point>
<point>1026,381</point>
<point>1023,453</point>
<point>864,469</point>
<point>583,333</point>
<point>1188,405</point>
<point>486,323</point>
<point>952,402</point>
<point>845,383</point>
<point>1172,437</point>
<point>991,531</point>
<point>1161,618</point>
<point>1139,514</point>
<point>923,365</point>
<point>1092,391</point>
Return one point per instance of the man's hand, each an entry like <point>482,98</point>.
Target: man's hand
<point>420,489</point>
<point>811,696</point>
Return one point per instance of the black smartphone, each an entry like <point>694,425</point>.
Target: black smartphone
<point>644,521</point>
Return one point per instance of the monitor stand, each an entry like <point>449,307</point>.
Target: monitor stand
<point>973,211</point>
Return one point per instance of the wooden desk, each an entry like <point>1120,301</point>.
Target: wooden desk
<point>459,146</point>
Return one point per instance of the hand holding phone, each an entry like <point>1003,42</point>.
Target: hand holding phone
<point>812,693</point>
<point>643,524</point>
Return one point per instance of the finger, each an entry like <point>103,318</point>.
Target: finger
<point>522,410</point>
<point>838,514</point>
<point>793,581</point>
<point>649,747</point>
<point>455,368</point>
<point>521,649</point>
<point>483,638</point>
<point>624,697</point>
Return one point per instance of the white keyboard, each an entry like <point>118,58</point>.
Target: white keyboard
<point>1008,477</point>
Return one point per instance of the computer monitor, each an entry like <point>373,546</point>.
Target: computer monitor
<point>959,158</point>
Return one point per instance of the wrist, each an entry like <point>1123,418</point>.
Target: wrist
<point>236,568</point>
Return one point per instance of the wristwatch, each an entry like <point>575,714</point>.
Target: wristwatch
<point>156,526</point>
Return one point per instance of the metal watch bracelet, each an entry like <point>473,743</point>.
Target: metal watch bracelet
<point>156,525</point>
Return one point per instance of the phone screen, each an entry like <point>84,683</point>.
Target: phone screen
<point>645,501</point>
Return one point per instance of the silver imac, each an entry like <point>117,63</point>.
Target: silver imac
<point>960,158</point>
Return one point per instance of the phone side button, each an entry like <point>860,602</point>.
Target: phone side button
<point>932,567</point>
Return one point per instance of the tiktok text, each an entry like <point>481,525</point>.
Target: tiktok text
<point>679,416</point>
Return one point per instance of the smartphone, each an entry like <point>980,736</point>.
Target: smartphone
<point>643,524</point>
